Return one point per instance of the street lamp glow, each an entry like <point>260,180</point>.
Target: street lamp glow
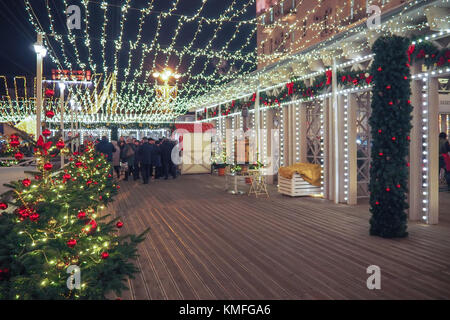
<point>165,76</point>
<point>40,50</point>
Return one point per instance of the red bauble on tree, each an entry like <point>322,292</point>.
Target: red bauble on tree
<point>3,206</point>
<point>105,255</point>
<point>119,224</point>
<point>26,182</point>
<point>60,144</point>
<point>34,216</point>
<point>81,215</point>
<point>71,243</point>
<point>48,166</point>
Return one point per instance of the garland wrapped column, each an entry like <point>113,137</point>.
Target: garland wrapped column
<point>390,126</point>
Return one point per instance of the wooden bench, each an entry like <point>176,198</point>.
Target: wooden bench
<point>296,187</point>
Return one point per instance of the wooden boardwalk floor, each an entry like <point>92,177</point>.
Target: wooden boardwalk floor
<point>207,244</point>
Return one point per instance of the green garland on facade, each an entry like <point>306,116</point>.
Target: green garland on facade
<point>390,124</point>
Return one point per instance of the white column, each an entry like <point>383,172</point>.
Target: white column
<point>433,150</point>
<point>258,126</point>
<point>415,149</point>
<point>352,151</point>
<point>336,137</point>
<point>302,134</point>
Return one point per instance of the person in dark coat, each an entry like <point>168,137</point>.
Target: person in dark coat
<point>129,151</point>
<point>166,157</point>
<point>146,151</point>
<point>137,161</point>
<point>158,163</point>
<point>106,147</point>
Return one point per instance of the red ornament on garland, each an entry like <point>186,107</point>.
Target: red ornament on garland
<point>60,144</point>
<point>14,143</point>
<point>380,69</point>
<point>18,156</point>
<point>48,166</point>
<point>119,224</point>
<point>3,206</point>
<point>49,93</point>
<point>49,114</point>
<point>394,138</point>
<point>388,189</point>
<point>78,164</point>
<point>46,133</point>
<point>67,176</point>
<point>26,182</point>
<point>380,154</point>
<point>105,255</point>
<point>71,243</point>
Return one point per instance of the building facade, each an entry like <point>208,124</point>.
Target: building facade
<point>289,26</point>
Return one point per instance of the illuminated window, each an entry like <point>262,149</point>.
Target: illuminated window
<point>263,19</point>
<point>282,8</point>
<point>271,15</point>
<point>293,5</point>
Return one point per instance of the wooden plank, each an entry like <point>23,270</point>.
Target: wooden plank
<point>207,244</point>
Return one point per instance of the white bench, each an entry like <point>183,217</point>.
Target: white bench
<point>296,187</point>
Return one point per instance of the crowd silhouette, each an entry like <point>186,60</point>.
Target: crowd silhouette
<point>147,159</point>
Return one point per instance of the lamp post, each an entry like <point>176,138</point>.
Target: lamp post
<point>41,52</point>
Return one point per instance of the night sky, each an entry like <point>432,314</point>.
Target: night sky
<point>18,35</point>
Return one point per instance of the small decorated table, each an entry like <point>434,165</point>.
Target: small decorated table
<point>235,179</point>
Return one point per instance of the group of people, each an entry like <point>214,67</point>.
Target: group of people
<point>146,158</point>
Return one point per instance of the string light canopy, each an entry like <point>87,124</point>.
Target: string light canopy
<point>206,43</point>
<point>210,45</point>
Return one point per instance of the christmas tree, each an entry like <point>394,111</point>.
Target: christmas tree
<point>52,226</point>
<point>390,123</point>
